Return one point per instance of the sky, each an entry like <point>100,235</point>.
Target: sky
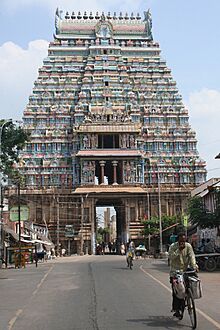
<point>187,31</point>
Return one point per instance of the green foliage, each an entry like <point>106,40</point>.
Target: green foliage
<point>101,233</point>
<point>151,227</point>
<point>13,139</point>
<point>168,221</point>
<point>199,215</point>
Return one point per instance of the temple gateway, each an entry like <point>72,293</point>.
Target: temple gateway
<point>108,128</point>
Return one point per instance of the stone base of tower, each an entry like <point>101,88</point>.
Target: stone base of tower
<point>62,209</point>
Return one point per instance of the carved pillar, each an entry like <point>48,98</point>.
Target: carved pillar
<point>102,165</point>
<point>115,164</point>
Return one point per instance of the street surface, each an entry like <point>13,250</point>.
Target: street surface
<point>99,293</point>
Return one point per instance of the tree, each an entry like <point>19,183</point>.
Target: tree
<point>151,227</point>
<point>101,234</point>
<point>13,139</point>
<point>199,215</point>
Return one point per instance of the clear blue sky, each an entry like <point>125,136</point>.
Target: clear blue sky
<point>188,32</point>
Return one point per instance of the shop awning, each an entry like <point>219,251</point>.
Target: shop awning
<point>11,232</point>
<point>42,242</point>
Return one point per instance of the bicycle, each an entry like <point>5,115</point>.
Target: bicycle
<point>189,302</point>
<point>130,259</point>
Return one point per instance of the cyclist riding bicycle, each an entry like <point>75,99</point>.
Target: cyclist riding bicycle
<point>181,257</point>
<point>130,250</point>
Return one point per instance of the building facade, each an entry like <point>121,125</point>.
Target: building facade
<point>108,128</point>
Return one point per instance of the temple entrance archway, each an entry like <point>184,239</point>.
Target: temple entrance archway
<point>111,216</point>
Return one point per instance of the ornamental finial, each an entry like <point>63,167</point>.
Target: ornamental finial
<point>57,19</point>
<point>67,16</point>
<point>79,16</point>
<point>97,15</point>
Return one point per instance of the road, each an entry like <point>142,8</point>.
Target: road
<point>98,293</point>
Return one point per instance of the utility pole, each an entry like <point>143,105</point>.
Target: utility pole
<point>159,211</point>
<point>148,217</point>
<point>1,222</point>
<point>19,224</point>
<point>81,226</point>
<point>58,226</point>
<point>1,194</point>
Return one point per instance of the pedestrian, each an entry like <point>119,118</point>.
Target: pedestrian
<point>209,248</point>
<point>63,252</point>
<point>110,247</point>
<point>122,249</point>
<point>52,250</point>
<point>103,247</point>
<point>36,257</point>
<point>113,247</point>
<point>202,246</point>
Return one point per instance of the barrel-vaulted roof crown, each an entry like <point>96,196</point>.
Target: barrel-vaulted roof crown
<point>111,25</point>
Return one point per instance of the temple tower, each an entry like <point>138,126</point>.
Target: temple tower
<point>108,127</point>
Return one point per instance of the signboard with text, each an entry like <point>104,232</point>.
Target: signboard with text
<point>24,213</point>
<point>69,231</point>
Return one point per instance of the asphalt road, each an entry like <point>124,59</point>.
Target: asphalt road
<point>100,293</point>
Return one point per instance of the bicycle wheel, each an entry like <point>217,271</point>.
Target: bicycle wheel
<point>210,265</point>
<point>130,262</point>
<point>191,308</point>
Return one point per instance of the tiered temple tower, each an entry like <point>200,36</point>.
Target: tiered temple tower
<point>108,127</point>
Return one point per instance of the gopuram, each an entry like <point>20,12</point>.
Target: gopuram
<point>108,128</point>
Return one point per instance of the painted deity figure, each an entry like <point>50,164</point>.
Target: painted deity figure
<point>127,174</point>
<point>124,141</point>
<point>132,141</point>
<point>85,142</point>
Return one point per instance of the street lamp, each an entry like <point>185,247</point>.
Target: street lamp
<point>1,181</point>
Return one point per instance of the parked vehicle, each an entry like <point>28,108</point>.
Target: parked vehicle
<point>208,261</point>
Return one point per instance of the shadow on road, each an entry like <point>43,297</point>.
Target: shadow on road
<point>122,268</point>
<point>164,322</point>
